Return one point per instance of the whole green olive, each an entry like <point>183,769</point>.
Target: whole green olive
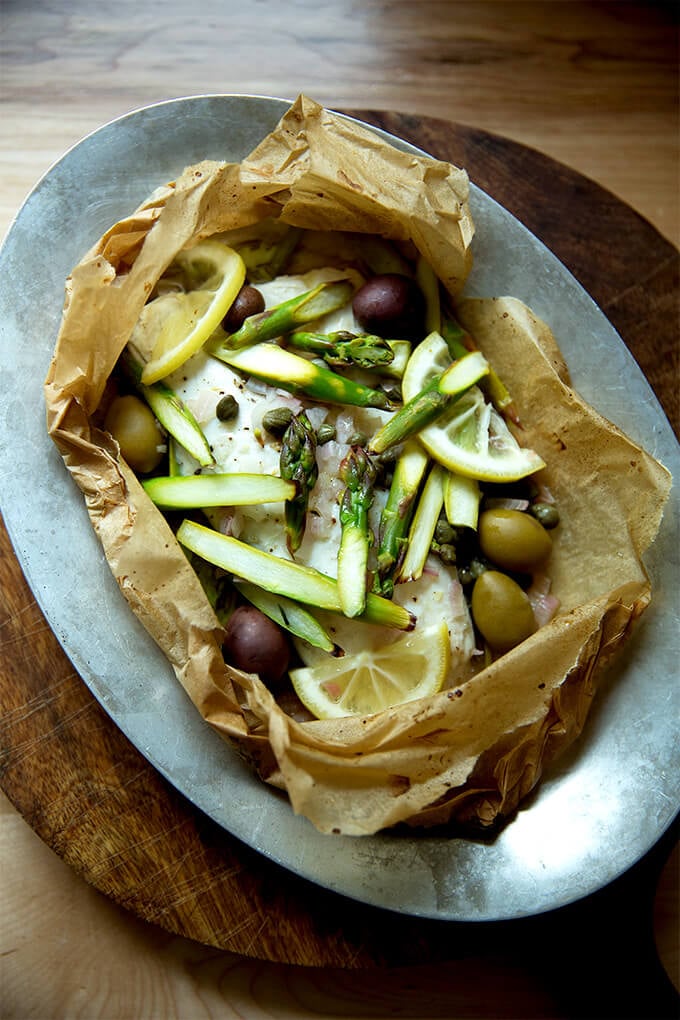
<point>248,301</point>
<point>132,424</point>
<point>501,611</point>
<point>513,540</point>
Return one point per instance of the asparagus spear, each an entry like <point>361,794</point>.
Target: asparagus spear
<point>186,492</point>
<point>423,525</point>
<point>431,402</point>
<point>173,464</point>
<point>284,577</point>
<point>345,348</point>
<point>459,343</point>
<point>381,256</point>
<point>401,352</point>
<point>290,615</point>
<point>429,285</point>
<point>217,587</point>
<point>358,472</point>
<point>171,412</point>
<point>266,256</point>
<point>298,464</point>
<point>398,511</point>
<point>291,372</point>
<point>461,500</point>
<point>286,316</point>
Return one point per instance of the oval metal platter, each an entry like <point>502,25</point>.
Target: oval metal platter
<point>603,806</point>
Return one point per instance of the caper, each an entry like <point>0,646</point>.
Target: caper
<point>469,572</point>
<point>446,552</point>
<point>227,408</point>
<point>513,540</point>
<point>358,439</point>
<point>132,424</point>
<point>546,514</point>
<point>248,301</point>
<point>501,611</point>
<point>325,433</point>
<point>277,420</point>
<point>443,532</point>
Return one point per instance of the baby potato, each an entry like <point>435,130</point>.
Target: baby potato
<point>513,540</point>
<point>501,611</point>
<point>132,424</point>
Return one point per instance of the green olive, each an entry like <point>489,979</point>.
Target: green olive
<point>132,424</point>
<point>513,539</point>
<point>501,611</point>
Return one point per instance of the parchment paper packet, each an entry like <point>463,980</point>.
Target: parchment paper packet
<point>467,754</point>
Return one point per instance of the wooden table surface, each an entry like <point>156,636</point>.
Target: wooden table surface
<point>591,85</point>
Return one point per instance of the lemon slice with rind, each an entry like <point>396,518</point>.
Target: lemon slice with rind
<point>175,325</point>
<point>414,666</point>
<point>470,438</point>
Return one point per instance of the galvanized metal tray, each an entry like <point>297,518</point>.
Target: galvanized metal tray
<point>596,813</point>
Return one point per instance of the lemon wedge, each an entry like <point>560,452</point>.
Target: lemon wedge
<point>470,438</point>
<point>414,666</point>
<point>175,325</point>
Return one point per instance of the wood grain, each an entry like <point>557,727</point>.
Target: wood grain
<point>591,85</point>
<point>594,85</point>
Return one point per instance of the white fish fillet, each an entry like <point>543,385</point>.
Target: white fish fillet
<point>244,445</point>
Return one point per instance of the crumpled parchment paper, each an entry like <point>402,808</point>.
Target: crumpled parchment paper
<point>466,755</point>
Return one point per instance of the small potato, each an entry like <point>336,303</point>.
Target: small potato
<point>390,305</point>
<point>501,611</point>
<point>513,540</point>
<point>248,301</point>
<point>255,644</point>
<point>132,424</point>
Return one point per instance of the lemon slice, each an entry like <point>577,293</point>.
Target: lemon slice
<point>413,666</point>
<point>471,438</point>
<point>175,325</point>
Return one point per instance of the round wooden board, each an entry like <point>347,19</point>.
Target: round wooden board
<point>93,798</point>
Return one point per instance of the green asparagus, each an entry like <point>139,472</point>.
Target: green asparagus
<point>186,492</point>
<point>345,348</point>
<point>423,525</point>
<point>397,513</point>
<point>267,254</point>
<point>284,577</point>
<point>431,402</point>
<point>298,464</point>
<point>459,343</point>
<point>429,285</point>
<point>278,367</point>
<point>461,500</point>
<point>285,317</point>
<point>290,615</point>
<point>358,473</point>
<point>171,412</point>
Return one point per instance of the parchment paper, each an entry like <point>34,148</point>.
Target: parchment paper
<point>468,754</point>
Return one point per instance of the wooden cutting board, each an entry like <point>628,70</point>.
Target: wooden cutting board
<point>94,799</point>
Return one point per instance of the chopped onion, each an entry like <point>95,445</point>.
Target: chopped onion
<point>506,503</point>
<point>544,605</point>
